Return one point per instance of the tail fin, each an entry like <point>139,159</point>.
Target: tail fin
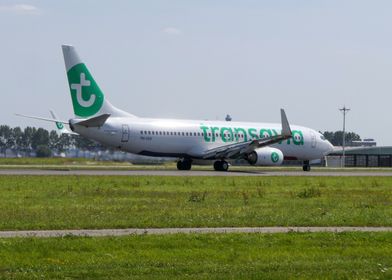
<point>87,98</point>
<point>59,125</point>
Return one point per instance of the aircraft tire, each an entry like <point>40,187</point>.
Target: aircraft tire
<point>184,165</point>
<point>221,165</point>
<point>306,167</point>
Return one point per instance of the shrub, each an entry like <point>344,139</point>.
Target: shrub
<point>43,151</point>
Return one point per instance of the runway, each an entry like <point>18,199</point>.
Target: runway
<point>162,231</point>
<point>327,173</point>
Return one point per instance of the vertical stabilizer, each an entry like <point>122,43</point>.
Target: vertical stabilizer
<point>87,98</point>
<point>59,125</point>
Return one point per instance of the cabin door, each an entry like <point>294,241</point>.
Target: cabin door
<point>313,139</point>
<point>125,133</point>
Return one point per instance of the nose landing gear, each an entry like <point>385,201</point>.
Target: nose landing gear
<point>221,165</point>
<point>306,166</point>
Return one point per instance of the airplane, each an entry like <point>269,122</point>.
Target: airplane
<point>189,141</point>
<point>61,129</point>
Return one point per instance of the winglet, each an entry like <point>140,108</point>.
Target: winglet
<point>286,130</point>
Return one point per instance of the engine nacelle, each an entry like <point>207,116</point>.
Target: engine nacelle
<point>265,156</point>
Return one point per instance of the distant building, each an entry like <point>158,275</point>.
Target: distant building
<point>369,142</point>
<point>361,157</point>
<point>228,118</point>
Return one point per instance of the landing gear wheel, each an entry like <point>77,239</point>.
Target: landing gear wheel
<point>306,166</point>
<point>221,165</point>
<point>184,164</point>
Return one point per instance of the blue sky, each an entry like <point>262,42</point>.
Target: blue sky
<point>204,59</point>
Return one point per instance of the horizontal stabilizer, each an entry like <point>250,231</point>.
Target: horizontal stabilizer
<point>95,121</point>
<point>60,127</point>
<point>42,119</point>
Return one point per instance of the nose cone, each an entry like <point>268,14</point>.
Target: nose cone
<point>329,148</point>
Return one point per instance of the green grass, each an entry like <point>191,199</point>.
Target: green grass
<point>212,256</point>
<point>72,202</point>
<point>42,162</point>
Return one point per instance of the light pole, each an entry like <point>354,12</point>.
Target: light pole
<point>344,110</point>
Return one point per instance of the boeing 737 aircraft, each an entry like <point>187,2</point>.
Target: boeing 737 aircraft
<point>187,140</point>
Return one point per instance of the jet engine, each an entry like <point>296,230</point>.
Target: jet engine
<point>265,156</point>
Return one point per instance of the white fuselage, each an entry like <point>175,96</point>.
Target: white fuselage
<point>191,138</point>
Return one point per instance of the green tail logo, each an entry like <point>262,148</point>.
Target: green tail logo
<point>59,125</point>
<point>87,97</point>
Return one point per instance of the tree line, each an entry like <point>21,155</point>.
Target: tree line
<point>44,143</point>
<point>41,141</point>
<point>336,138</point>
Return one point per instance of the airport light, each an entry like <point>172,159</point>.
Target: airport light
<point>344,110</point>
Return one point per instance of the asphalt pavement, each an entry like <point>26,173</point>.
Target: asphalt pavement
<point>328,173</point>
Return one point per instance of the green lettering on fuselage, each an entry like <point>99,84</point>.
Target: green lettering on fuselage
<point>298,137</point>
<point>205,133</point>
<point>230,137</point>
<point>240,131</point>
<point>213,129</point>
<point>253,133</point>
<point>229,134</point>
<point>265,133</point>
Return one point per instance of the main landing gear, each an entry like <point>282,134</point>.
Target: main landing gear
<point>221,165</point>
<point>306,166</point>
<point>184,164</point>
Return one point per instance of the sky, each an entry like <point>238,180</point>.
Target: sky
<point>204,59</point>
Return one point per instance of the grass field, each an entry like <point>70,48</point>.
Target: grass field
<point>72,202</point>
<point>213,256</point>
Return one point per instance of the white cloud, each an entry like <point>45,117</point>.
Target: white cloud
<point>20,9</point>
<point>172,31</point>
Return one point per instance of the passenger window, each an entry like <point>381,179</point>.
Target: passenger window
<point>141,132</point>
<point>149,132</point>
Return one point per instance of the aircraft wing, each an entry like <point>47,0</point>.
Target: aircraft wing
<point>238,149</point>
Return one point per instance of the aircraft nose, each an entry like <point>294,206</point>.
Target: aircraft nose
<point>330,148</point>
